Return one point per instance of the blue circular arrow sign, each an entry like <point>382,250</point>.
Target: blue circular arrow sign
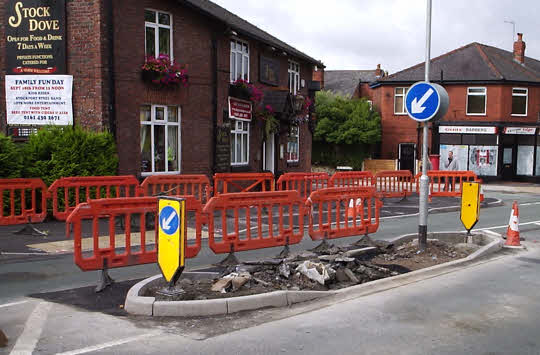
<point>168,220</point>
<point>422,101</point>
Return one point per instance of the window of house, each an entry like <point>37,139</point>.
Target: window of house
<point>294,77</point>
<point>158,35</point>
<point>519,101</point>
<point>160,139</point>
<point>476,101</point>
<point>293,144</point>
<point>239,60</point>
<point>240,143</point>
<point>399,101</point>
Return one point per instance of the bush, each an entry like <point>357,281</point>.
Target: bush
<point>11,161</point>
<point>56,152</point>
<point>339,155</point>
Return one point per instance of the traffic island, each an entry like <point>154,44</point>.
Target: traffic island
<point>371,266</point>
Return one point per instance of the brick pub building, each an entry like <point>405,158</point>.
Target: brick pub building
<point>181,129</point>
<point>492,120</point>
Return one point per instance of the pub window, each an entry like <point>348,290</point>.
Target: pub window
<point>240,142</point>
<point>294,77</point>
<point>476,101</point>
<point>158,33</point>
<point>239,60</point>
<point>399,100</point>
<point>293,144</point>
<point>160,139</point>
<point>519,101</point>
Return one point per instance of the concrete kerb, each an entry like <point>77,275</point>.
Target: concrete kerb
<point>139,305</point>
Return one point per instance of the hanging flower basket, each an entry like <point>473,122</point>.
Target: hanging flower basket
<point>162,71</point>
<point>242,89</point>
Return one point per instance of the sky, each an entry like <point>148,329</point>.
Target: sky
<point>359,34</point>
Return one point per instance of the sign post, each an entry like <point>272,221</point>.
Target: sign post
<point>171,242</point>
<point>424,102</point>
<point>470,205</point>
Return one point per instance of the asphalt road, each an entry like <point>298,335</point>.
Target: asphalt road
<point>467,312</point>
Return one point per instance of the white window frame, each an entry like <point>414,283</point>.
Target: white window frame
<point>155,122</point>
<point>526,94</point>
<point>156,26</point>
<point>235,134</point>
<point>289,145</point>
<point>476,94</point>
<point>293,72</point>
<point>404,94</point>
<point>245,59</point>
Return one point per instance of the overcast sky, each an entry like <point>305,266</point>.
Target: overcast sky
<point>359,34</point>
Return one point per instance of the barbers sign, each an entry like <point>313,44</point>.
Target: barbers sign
<point>35,37</point>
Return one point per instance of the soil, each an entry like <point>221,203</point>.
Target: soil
<point>381,261</point>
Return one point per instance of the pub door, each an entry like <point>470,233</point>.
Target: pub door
<point>508,164</point>
<point>407,156</point>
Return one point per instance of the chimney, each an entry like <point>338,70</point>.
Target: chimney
<point>519,49</point>
<point>378,72</point>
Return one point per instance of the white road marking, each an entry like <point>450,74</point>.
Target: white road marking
<point>107,345</point>
<point>26,343</point>
<point>12,304</point>
<point>506,226</point>
<point>529,204</point>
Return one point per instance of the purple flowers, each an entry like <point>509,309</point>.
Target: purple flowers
<point>164,71</point>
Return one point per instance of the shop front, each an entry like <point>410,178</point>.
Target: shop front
<point>499,152</point>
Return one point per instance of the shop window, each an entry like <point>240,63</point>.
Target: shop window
<point>158,35</point>
<point>399,101</point>
<point>239,60</point>
<point>476,101</point>
<point>293,144</point>
<point>240,143</point>
<point>519,101</point>
<point>160,139</point>
<point>525,158</point>
<point>294,77</point>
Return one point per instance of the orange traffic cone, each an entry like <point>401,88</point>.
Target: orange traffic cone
<point>351,213</point>
<point>512,233</point>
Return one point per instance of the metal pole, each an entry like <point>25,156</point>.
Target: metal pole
<point>424,180</point>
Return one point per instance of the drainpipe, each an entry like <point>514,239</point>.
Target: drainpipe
<point>112,82</point>
<point>214,61</point>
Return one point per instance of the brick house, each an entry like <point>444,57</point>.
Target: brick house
<point>182,129</point>
<point>492,120</point>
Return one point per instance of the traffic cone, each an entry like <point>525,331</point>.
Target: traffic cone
<point>351,208</point>
<point>512,233</point>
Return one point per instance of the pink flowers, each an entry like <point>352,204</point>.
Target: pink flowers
<point>249,90</point>
<point>162,70</point>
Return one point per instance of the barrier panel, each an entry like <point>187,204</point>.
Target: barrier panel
<point>225,183</point>
<point>396,183</point>
<point>447,183</point>
<point>351,179</point>
<point>197,186</point>
<point>23,201</point>
<point>119,232</point>
<point>68,192</point>
<point>343,212</point>
<point>304,183</point>
<point>282,212</point>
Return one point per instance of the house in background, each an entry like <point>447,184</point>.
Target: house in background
<point>352,83</point>
<point>492,120</point>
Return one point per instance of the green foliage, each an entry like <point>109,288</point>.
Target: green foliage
<point>56,152</point>
<point>339,155</point>
<point>10,159</point>
<point>345,121</point>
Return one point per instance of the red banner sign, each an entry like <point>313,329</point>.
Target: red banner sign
<point>239,109</point>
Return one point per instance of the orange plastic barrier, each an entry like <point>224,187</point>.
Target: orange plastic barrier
<point>108,246</point>
<point>331,217</point>
<point>67,193</point>
<point>259,220</point>
<point>225,183</point>
<point>447,183</point>
<point>395,183</point>
<point>23,201</point>
<point>197,186</point>
<point>304,183</point>
<point>352,179</point>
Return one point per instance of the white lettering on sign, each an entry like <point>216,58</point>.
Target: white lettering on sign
<point>239,109</point>
<point>520,130</point>
<point>468,129</point>
<point>39,100</point>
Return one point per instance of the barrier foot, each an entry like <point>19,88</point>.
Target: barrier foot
<point>321,248</point>
<point>29,229</point>
<point>229,260</point>
<point>106,280</point>
<point>285,252</point>
<point>365,240</point>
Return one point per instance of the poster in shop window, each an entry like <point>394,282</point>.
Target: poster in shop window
<point>483,159</point>
<point>460,152</point>
<point>35,37</point>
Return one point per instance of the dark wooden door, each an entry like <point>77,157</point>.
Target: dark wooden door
<point>407,152</point>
